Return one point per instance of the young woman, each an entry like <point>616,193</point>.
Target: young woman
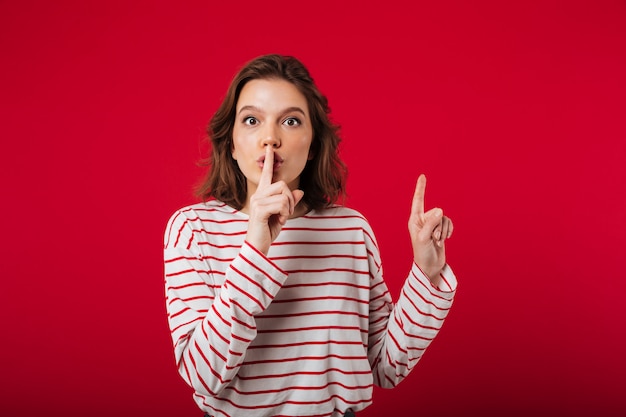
<point>275,294</point>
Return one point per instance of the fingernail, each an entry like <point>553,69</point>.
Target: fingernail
<point>438,235</point>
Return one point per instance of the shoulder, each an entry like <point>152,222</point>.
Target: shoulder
<point>200,216</point>
<point>208,210</point>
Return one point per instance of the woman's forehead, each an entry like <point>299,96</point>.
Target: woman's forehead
<point>271,95</point>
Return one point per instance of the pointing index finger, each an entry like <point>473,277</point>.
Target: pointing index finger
<point>268,168</point>
<point>417,208</point>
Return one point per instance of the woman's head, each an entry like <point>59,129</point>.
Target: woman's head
<point>323,177</point>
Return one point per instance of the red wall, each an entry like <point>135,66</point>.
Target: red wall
<point>514,110</point>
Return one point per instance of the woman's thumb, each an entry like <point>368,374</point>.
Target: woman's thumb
<point>297,196</point>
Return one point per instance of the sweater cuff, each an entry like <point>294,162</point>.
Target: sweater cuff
<point>256,279</point>
<point>447,286</point>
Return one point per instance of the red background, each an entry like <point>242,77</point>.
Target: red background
<point>515,112</point>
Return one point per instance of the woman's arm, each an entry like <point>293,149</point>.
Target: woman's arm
<point>399,334</point>
<point>213,325</point>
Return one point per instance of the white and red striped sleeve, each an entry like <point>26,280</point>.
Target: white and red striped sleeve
<point>399,334</point>
<point>212,325</point>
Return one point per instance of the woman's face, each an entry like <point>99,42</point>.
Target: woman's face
<point>272,113</point>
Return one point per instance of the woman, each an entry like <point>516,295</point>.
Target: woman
<point>275,294</point>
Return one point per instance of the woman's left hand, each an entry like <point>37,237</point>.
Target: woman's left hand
<point>428,231</point>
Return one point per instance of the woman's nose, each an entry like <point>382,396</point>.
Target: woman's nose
<point>270,137</point>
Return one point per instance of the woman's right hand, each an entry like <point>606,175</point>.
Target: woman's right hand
<point>270,206</point>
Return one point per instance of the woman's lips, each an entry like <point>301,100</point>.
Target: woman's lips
<point>278,161</point>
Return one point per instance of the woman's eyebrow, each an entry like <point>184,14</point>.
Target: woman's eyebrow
<point>249,108</point>
<point>292,109</point>
<point>287,110</point>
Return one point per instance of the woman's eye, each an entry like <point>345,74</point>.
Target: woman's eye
<point>292,121</point>
<point>250,121</point>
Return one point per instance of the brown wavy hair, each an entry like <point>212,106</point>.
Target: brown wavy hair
<point>323,178</point>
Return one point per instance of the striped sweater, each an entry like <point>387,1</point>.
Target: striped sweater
<point>304,331</point>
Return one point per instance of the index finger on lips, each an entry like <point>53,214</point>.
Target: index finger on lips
<point>268,168</point>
